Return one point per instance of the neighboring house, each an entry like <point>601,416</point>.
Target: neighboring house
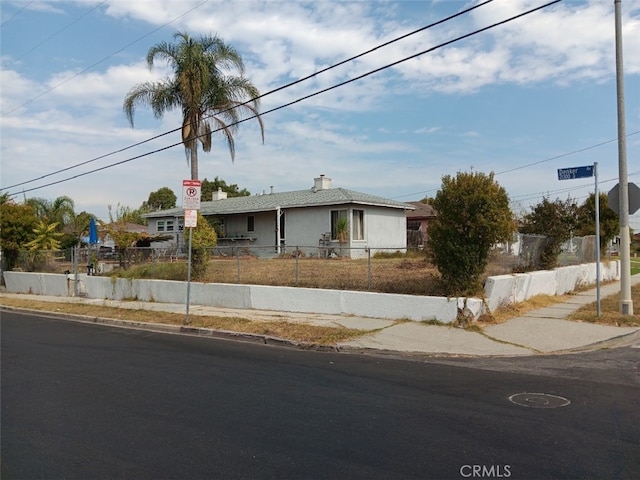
<point>303,219</point>
<point>418,223</point>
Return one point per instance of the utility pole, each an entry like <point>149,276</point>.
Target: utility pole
<point>626,302</point>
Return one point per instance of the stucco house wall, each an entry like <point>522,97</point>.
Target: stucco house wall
<point>306,216</point>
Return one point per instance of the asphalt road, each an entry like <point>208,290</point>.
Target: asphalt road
<point>83,401</point>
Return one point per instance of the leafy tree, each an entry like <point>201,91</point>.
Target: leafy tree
<point>124,214</point>
<point>163,198</point>
<point>60,210</point>
<point>117,230</point>
<point>609,220</point>
<point>209,97</point>
<point>204,238</point>
<point>473,215</point>
<point>557,221</point>
<point>208,187</point>
<point>76,230</point>
<point>17,222</point>
<point>47,238</point>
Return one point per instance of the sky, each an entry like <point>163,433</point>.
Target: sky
<point>521,99</point>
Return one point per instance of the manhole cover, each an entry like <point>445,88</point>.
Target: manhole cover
<point>539,400</point>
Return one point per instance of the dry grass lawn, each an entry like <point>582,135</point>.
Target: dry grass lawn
<point>610,311</point>
<point>609,307</point>
<point>412,275</point>
<point>308,334</point>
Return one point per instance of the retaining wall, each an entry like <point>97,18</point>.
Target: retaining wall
<point>499,290</point>
<point>506,289</point>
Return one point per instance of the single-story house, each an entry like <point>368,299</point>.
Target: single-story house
<point>305,220</point>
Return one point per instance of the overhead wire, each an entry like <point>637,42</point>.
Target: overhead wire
<point>61,30</point>
<point>270,92</point>
<point>77,74</point>
<point>573,152</point>
<point>15,14</point>
<point>457,39</point>
<point>566,154</point>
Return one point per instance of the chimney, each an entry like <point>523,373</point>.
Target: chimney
<point>321,183</point>
<point>219,195</point>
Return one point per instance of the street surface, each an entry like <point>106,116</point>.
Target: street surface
<point>83,401</point>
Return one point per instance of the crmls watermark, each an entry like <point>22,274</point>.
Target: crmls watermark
<point>485,471</point>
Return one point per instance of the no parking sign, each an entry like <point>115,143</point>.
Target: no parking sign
<point>191,194</point>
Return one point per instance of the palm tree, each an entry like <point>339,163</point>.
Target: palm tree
<point>203,86</point>
<point>60,210</point>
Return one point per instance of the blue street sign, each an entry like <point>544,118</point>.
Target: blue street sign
<point>575,172</point>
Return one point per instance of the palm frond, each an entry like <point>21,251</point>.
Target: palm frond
<point>205,136</point>
<point>208,82</point>
<point>228,132</point>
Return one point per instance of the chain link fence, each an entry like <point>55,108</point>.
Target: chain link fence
<point>383,270</point>
<point>526,251</point>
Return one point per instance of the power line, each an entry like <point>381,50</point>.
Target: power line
<point>103,60</point>
<point>449,42</point>
<point>290,84</point>
<point>565,154</point>
<point>61,30</point>
<point>534,163</point>
<point>15,14</point>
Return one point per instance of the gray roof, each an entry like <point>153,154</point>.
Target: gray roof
<point>296,199</point>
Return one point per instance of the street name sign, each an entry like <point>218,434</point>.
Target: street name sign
<point>191,190</point>
<point>575,172</point>
<point>586,172</point>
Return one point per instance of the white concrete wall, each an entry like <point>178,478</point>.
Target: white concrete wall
<point>499,290</point>
<point>506,289</point>
<point>37,283</point>
<point>260,297</point>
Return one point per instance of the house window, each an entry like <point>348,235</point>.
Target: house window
<point>250,223</point>
<point>161,226</point>
<point>170,225</point>
<point>336,217</point>
<point>358,224</point>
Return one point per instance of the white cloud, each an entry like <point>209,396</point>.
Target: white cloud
<point>329,133</point>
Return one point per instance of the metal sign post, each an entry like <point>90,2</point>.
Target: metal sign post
<point>595,174</point>
<point>585,172</point>
<point>191,203</point>
<point>190,221</point>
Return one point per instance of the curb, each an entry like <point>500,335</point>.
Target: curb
<point>180,330</point>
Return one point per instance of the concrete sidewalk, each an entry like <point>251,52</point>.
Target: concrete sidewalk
<point>539,331</point>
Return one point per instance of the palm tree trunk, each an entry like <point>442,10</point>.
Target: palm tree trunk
<point>194,161</point>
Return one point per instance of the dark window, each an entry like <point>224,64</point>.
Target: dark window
<point>335,216</point>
